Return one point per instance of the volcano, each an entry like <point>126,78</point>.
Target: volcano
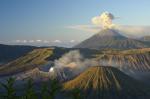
<point>103,82</point>
<point>109,38</point>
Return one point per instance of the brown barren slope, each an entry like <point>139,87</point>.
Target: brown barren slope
<point>134,60</point>
<point>107,83</point>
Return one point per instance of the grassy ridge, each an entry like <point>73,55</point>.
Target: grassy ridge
<point>33,59</point>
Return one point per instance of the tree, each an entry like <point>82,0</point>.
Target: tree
<point>44,91</point>
<point>50,89</point>
<point>76,94</point>
<point>29,91</point>
<point>10,92</point>
<point>54,88</point>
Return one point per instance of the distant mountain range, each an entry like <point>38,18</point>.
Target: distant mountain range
<point>109,38</point>
<point>104,82</point>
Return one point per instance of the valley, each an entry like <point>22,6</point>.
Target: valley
<point>106,69</point>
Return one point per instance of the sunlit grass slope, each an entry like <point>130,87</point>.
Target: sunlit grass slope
<point>33,59</point>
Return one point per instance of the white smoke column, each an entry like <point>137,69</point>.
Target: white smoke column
<point>73,61</point>
<point>105,20</point>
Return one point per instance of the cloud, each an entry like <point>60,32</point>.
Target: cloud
<point>88,28</point>
<point>72,41</point>
<point>74,61</point>
<point>104,20</point>
<point>134,31</point>
<point>127,30</point>
<point>31,41</point>
<point>100,22</point>
<point>17,41</point>
<point>38,40</point>
<point>20,41</point>
<point>45,41</point>
<point>57,41</point>
<point>24,41</point>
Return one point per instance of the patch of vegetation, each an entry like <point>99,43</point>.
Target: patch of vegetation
<point>48,90</point>
<point>10,92</point>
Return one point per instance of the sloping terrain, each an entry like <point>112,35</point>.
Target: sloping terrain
<point>127,60</point>
<point>103,82</point>
<point>35,74</point>
<point>109,38</point>
<point>145,38</point>
<point>31,60</point>
<point>39,57</point>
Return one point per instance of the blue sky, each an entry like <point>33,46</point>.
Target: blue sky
<point>47,20</point>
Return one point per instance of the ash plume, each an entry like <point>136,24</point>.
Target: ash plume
<point>105,20</point>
